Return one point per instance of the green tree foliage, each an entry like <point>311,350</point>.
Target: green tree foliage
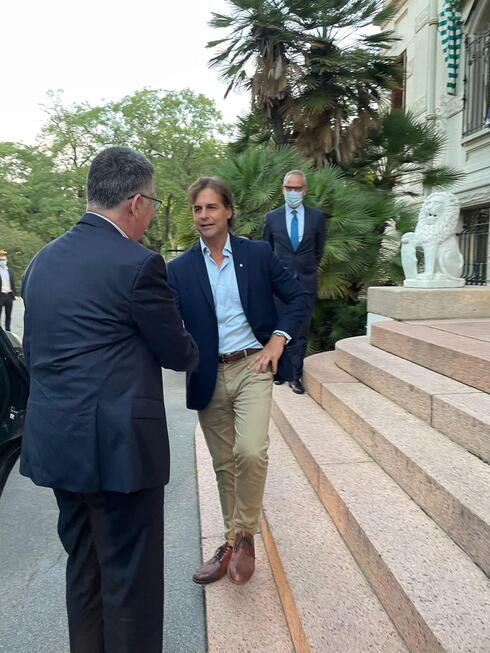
<point>334,320</point>
<point>20,246</point>
<point>42,187</point>
<point>34,193</point>
<point>183,135</point>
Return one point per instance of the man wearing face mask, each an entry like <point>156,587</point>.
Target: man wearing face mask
<point>7,289</point>
<point>296,233</point>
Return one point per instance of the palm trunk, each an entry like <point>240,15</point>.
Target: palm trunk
<point>166,219</point>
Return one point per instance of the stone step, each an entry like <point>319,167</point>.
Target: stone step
<point>327,600</point>
<point>459,357</point>
<point>458,410</point>
<point>320,369</point>
<point>437,597</point>
<point>249,617</point>
<point>448,482</point>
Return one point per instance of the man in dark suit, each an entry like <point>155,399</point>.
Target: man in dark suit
<point>225,287</point>
<point>100,322</point>
<point>7,289</point>
<point>296,233</point>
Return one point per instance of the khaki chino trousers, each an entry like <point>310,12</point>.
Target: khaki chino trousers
<point>236,428</point>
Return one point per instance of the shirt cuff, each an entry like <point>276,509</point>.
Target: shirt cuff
<point>286,335</point>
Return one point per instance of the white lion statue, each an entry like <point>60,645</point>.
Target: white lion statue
<point>435,234</point>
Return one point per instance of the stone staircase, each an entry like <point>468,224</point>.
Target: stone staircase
<point>376,519</point>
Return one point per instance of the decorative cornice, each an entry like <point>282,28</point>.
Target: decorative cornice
<point>474,197</point>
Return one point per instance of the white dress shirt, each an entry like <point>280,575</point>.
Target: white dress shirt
<point>234,331</point>
<point>110,222</point>
<point>300,213</point>
<point>6,287</point>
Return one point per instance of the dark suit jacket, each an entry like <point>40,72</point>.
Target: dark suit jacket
<point>260,276</point>
<point>304,261</point>
<point>100,322</point>
<point>12,284</point>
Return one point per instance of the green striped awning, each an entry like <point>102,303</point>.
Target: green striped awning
<point>450,31</point>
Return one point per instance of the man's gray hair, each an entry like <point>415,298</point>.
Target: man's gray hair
<point>295,172</point>
<point>115,174</point>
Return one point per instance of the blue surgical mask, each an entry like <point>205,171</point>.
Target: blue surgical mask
<point>3,264</point>
<point>293,198</point>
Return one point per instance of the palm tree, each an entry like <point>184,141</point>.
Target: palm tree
<point>316,77</point>
<point>399,154</point>
<point>259,37</point>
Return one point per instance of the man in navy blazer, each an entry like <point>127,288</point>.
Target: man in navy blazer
<point>224,288</point>
<point>296,233</point>
<point>100,322</point>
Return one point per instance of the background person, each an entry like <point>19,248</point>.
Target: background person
<point>7,289</point>
<point>100,322</point>
<point>296,233</point>
<point>225,287</point>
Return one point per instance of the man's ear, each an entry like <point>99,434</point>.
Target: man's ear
<point>134,203</point>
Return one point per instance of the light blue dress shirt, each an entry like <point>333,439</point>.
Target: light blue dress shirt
<point>234,331</point>
<point>300,213</point>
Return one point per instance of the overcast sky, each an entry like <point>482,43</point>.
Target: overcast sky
<point>102,50</point>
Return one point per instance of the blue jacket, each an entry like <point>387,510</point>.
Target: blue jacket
<point>303,262</point>
<point>260,277</point>
<point>100,322</point>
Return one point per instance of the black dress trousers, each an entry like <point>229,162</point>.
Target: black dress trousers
<point>6,302</point>
<point>114,573</point>
<point>297,347</point>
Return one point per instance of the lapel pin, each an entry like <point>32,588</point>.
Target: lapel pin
<point>241,265</point>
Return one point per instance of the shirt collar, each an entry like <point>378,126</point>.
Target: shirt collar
<point>110,221</point>
<point>298,209</point>
<point>226,248</point>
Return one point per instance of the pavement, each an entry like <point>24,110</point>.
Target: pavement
<point>32,560</point>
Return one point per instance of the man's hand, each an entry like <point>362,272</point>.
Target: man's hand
<point>270,354</point>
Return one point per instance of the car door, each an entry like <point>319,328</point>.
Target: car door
<point>14,390</point>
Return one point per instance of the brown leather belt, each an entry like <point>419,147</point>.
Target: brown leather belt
<point>236,355</point>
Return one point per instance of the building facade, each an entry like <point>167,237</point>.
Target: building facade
<point>445,50</point>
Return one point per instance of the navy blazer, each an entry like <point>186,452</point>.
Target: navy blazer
<point>260,276</point>
<point>100,322</point>
<point>303,262</point>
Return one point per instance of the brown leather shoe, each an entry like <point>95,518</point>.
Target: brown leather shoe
<point>215,568</point>
<point>242,563</point>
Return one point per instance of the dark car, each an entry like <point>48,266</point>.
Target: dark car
<point>14,390</point>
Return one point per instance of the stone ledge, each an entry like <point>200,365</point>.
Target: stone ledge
<point>430,303</point>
